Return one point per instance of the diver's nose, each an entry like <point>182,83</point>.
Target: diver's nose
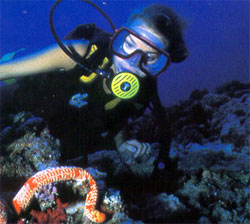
<point>135,59</point>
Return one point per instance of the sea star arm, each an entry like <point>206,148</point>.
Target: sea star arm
<point>23,197</point>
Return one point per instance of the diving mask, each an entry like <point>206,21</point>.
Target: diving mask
<point>129,45</point>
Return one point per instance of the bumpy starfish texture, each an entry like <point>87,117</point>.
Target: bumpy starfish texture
<point>23,197</point>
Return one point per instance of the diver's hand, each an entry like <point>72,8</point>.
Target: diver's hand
<point>135,147</point>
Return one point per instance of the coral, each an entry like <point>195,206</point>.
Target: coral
<point>233,89</point>
<point>205,180</point>
<point>51,216</point>
<point>204,220</point>
<point>96,174</point>
<point>23,197</point>
<point>122,218</point>
<point>75,212</point>
<point>219,195</point>
<point>125,163</point>
<point>231,121</point>
<point>3,212</point>
<point>46,196</point>
<point>30,154</point>
<point>15,126</point>
<point>222,116</point>
<point>143,128</point>
<point>109,161</point>
<point>212,156</point>
<point>112,202</point>
<point>26,146</point>
<point>161,208</point>
<point>211,146</point>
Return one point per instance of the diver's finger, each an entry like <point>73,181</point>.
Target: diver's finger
<point>144,148</point>
<point>126,146</point>
<point>131,147</point>
<point>147,148</point>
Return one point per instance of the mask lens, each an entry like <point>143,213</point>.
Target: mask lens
<point>122,44</point>
<point>154,64</point>
<point>127,43</point>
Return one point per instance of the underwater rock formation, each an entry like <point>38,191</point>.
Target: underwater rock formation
<point>205,180</point>
<point>210,135</point>
<point>56,215</point>
<point>214,157</point>
<point>46,196</point>
<point>169,206</point>
<point>3,212</point>
<point>143,128</point>
<point>14,126</point>
<point>220,117</point>
<point>211,145</point>
<point>121,163</point>
<point>29,154</point>
<point>222,196</point>
<point>26,147</point>
<point>60,194</point>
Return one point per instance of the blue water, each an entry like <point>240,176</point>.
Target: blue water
<point>217,36</point>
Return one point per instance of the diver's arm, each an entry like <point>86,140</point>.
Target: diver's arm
<point>48,60</point>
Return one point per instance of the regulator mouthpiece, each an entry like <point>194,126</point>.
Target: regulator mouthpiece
<point>125,85</point>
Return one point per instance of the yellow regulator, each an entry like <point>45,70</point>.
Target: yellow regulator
<point>125,85</point>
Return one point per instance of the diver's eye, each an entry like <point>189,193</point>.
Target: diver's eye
<point>128,46</point>
<point>151,58</point>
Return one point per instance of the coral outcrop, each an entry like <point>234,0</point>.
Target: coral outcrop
<point>27,147</point>
<point>204,180</point>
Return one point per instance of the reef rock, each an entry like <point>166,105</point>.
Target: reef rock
<point>205,180</point>
<point>211,147</point>
<point>168,206</point>
<point>26,147</point>
<point>221,117</point>
<point>16,125</point>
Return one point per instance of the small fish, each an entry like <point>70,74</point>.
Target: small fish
<point>8,57</point>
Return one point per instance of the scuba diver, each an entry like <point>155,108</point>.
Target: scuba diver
<point>89,103</point>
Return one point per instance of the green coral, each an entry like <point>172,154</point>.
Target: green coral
<point>30,154</point>
<point>220,195</point>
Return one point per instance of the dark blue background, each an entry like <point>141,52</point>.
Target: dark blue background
<point>217,36</point>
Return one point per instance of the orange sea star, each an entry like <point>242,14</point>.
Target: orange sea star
<point>23,197</point>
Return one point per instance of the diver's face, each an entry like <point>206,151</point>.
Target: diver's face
<point>133,43</point>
